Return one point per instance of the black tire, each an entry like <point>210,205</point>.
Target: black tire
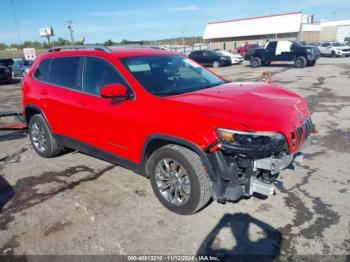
<point>199,180</point>
<point>216,64</point>
<point>51,149</point>
<point>300,62</point>
<point>311,63</point>
<point>333,54</point>
<point>255,62</point>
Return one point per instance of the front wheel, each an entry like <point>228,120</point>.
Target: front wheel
<point>41,137</point>
<point>333,54</point>
<point>300,62</point>
<point>179,179</point>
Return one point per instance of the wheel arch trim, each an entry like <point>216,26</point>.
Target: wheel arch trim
<point>179,141</point>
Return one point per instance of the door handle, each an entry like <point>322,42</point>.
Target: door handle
<point>43,92</point>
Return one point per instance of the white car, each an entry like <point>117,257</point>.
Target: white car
<point>235,58</point>
<point>334,49</point>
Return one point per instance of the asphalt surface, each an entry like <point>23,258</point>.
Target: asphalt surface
<point>76,204</point>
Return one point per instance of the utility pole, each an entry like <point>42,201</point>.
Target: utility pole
<point>15,17</point>
<point>70,28</point>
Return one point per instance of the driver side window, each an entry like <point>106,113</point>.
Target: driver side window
<point>99,73</point>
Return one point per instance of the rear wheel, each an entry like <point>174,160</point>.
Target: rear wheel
<point>216,64</point>
<point>179,179</point>
<point>255,62</point>
<point>41,137</point>
<point>300,62</point>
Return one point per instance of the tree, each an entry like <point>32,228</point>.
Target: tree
<point>109,42</point>
<point>3,46</point>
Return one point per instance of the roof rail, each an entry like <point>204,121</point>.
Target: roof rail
<point>75,47</point>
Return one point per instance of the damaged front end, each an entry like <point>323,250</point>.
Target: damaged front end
<point>249,162</point>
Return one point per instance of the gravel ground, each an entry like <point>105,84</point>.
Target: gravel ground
<point>76,204</point>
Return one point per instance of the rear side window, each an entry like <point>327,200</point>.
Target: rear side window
<point>65,72</point>
<point>99,73</point>
<point>41,73</point>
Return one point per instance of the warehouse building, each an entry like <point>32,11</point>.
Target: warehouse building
<point>230,34</point>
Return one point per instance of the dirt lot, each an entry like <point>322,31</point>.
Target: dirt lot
<point>76,204</point>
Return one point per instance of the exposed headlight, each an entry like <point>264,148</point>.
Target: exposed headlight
<point>249,139</point>
<point>309,50</point>
<point>223,58</point>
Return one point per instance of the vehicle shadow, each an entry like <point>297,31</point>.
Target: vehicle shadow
<point>12,135</point>
<point>6,192</point>
<point>264,249</point>
<point>275,65</point>
<point>11,82</point>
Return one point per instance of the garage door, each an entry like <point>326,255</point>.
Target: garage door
<point>342,32</point>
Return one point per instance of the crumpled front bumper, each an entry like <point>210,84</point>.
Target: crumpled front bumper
<point>276,165</point>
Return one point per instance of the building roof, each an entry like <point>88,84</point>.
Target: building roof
<point>261,25</point>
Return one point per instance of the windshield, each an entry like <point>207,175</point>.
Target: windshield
<point>336,44</point>
<point>170,74</point>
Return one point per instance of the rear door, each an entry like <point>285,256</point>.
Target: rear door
<point>60,93</point>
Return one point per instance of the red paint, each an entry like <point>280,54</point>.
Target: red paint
<point>122,127</point>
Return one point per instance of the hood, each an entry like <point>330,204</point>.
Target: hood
<point>258,106</point>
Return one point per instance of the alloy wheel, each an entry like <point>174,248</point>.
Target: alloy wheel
<point>173,181</point>
<point>39,137</point>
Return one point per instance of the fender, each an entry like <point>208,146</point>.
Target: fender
<point>179,141</point>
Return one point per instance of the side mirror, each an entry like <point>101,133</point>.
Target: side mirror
<point>114,91</point>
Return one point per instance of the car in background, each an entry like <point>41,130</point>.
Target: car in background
<point>235,58</point>
<point>210,58</point>
<point>8,62</point>
<point>302,55</point>
<point>5,74</point>
<point>21,67</point>
<point>242,50</point>
<point>334,49</point>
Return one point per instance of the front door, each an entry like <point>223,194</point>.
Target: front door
<point>104,122</point>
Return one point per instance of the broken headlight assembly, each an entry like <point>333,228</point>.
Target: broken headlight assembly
<point>268,143</point>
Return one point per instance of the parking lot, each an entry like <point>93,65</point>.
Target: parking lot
<point>76,204</point>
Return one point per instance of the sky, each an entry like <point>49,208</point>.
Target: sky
<point>100,20</point>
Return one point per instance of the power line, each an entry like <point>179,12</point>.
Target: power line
<point>15,17</point>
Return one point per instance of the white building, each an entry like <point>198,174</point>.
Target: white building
<point>230,34</point>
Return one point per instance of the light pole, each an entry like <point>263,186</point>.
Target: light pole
<point>70,28</point>
<point>15,17</point>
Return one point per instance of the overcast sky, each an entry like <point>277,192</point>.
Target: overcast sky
<point>99,20</point>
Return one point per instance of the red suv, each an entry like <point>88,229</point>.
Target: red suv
<point>193,134</point>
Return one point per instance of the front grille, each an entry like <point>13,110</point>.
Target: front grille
<point>346,50</point>
<point>304,130</point>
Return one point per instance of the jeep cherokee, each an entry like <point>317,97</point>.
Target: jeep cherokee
<point>160,114</point>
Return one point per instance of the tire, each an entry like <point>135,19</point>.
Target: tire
<point>197,179</point>
<point>333,54</point>
<point>216,64</point>
<point>300,62</point>
<point>311,63</point>
<point>255,62</point>
<point>38,130</point>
